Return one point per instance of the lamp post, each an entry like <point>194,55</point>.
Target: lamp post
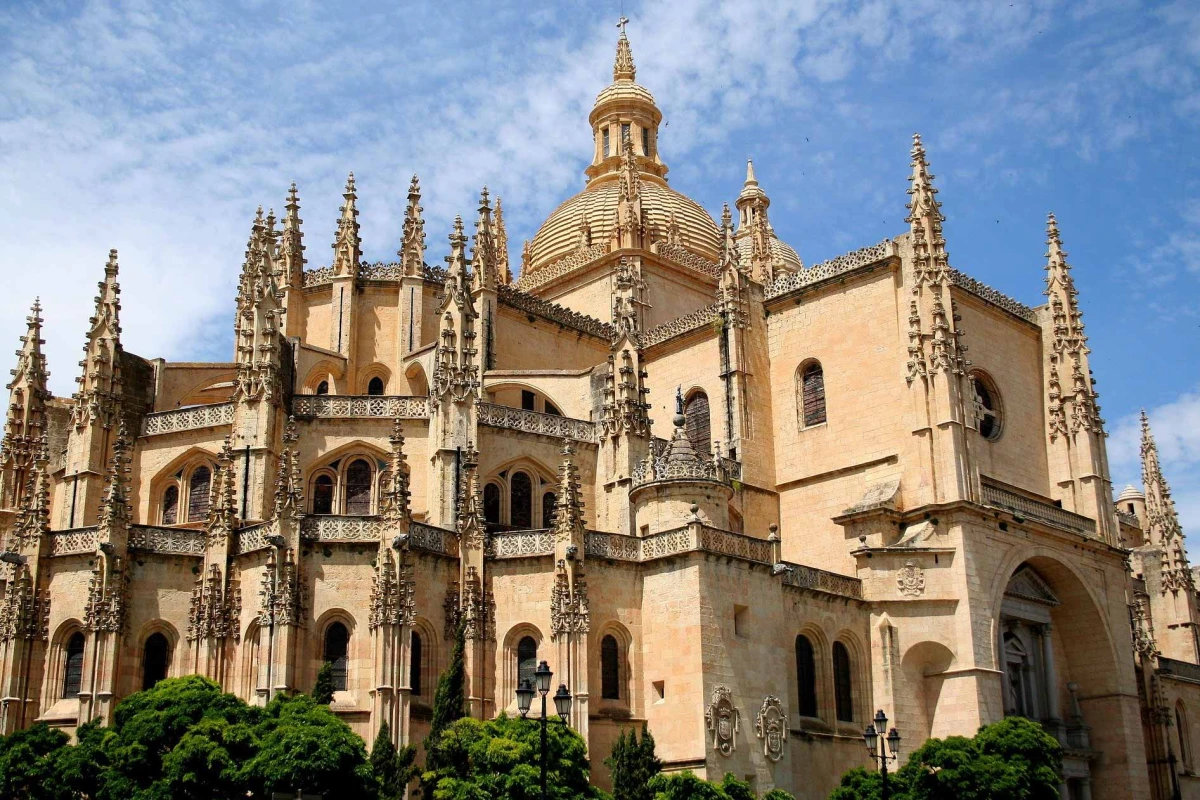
<point>878,751</point>
<point>562,704</point>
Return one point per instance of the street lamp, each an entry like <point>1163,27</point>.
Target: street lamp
<point>878,751</point>
<point>562,704</point>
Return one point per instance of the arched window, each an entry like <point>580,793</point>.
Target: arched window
<point>1185,739</point>
<point>199,497</point>
<point>843,685</point>
<point>810,394</point>
<point>610,669</point>
<point>337,640</point>
<point>73,667</point>
<point>323,495</point>
<point>526,659</point>
<point>156,657</point>
<point>806,677</point>
<point>323,387</point>
<point>375,386</point>
<point>414,667</point>
<point>491,503</point>
<point>987,406</point>
<point>696,422</point>
<point>170,505</point>
<point>548,501</point>
<point>521,501</point>
<point>358,488</point>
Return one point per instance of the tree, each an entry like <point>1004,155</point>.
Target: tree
<point>449,706</point>
<point>686,786</point>
<point>633,764</point>
<point>500,759</point>
<point>29,764</point>
<point>323,689</point>
<point>1014,759</point>
<point>393,770</point>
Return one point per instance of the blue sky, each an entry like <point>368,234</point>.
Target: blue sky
<point>158,127</point>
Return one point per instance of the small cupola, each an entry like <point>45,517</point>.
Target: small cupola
<point>624,110</point>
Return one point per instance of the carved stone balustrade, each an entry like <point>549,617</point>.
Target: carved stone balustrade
<point>323,528</point>
<point>568,263</point>
<point>521,544</point>
<point>430,539</point>
<point>614,546</point>
<point>168,541</point>
<point>847,262</point>
<point>700,318</point>
<point>187,419</point>
<point>360,406</point>
<point>518,419</point>
<point>1046,513</point>
<point>249,539</point>
<point>74,541</point>
<point>818,580</point>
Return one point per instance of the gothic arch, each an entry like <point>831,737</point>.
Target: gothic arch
<point>860,697</point>
<point>323,370</point>
<point>57,666</point>
<point>697,416</point>
<point>178,474</point>
<point>507,682</point>
<point>624,663</point>
<point>251,659</point>
<point>508,394</point>
<point>374,371</point>
<point>429,667</point>
<point>329,618</point>
<point>147,631</point>
<point>542,478</point>
<point>335,465</point>
<point>822,668</point>
<point>811,407</point>
<point>418,383</point>
<point>208,391</point>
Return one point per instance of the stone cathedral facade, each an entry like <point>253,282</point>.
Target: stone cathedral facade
<point>744,500</point>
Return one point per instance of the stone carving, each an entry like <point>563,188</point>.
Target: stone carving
<point>381,271</point>
<point>723,721</point>
<point>393,592</point>
<point>187,419</point>
<point>681,256</point>
<point>786,282</point>
<point>569,263</point>
<point>318,277</point>
<point>73,541</point>
<point>24,609</point>
<point>215,608</point>
<point>679,461</point>
<point>999,497</point>
<point>813,579</point>
<point>171,541</point>
<point>478,609</point>
<point>360,406</point>
<point>615,546</point>
<point>910,580</point>
<point>996,298</point>
<point>108,596</point>
<point>625,407</point>
<point>433,540</point>
<point>700,318</point>
<point>99,395</point>
<point>519,419</point>
<point>324,528</point>
<point>521,544</point>
<point>568,605</point>
<point>515,298</point>
<point>771,726</point>
<point>281,595</point>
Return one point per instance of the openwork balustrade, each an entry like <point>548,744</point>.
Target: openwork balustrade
<point>74,541</point>
<point>360,406</point>
<point>520,544</point>
<point>247,540</point>
<point>169,541</point>
<point>519,419</point>
<point>322,528</point>
<point>660,468</point>
<point>847,262</point>
<point>615,546</point>
<point>187,419</point>
<point>999,497</point>
<point>819,580</point>
<point>432,539</point>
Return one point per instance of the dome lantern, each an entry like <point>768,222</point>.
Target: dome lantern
<point>625,110</point>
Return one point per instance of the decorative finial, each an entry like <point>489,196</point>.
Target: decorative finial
<point>750,179</point>
<point>679,419</point>
<point>623,68</point>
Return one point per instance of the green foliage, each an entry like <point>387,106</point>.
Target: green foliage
<point>29,762</point>
<point>323,689</point>
<point>449,706</point>
<point>392,770</point>
<point>633,763</point>
<point>499,759</point>
<point>777,794</point>
<point>1014,759</point>
<point>686,786</point>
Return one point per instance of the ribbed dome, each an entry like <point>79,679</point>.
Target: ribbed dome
<point>1130,493</point>
<point>782,251</point>
<point>559,234</point>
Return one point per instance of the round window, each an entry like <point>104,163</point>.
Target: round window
<point>987,405</point>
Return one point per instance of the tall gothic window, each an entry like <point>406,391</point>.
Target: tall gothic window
<point>323,495</point>
<point>491,503</point>
<point>646,141</point>
<point>73,666</point>
<point>987,404</point>
<point>199,494</point>
<point>810,394</point>
<point>696,422</point>
<point>610,669</point>
<point>843,684</point>
<point>806,677</point>
<point>337,641</point>
<point>414,668</point>
<point>375,387</point>
<point>358,488</point>
<point>526,659</point>
<point>156,657</point>
<point>323,387</point>
<point>520,509</point>
<point>170,505</point>
<point>548,501</point>
<point>607,147</point>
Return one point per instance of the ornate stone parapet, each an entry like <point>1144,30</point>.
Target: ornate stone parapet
<point>996,298</point>
<point>168,541</point>
<point>614,546</point>
<point>700,318</point>
<point>334,406</point>
<point>553,312</point>
<point>573,261</point>
<point>678,254</point>
<point>999,497</point>
<point>519,419</point>
<point>440,541</point>
<point>322,528</point>
<point>521,544</point>
<point>74,541</point>
<point>187,419</point>
<point>848,262</point>
<point>318,277</point>
<point>250,538</point>
<point>819,580</point>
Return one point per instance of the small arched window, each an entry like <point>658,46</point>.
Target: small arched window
<point>548,502</point>
<point>843,684</point>
<point>526,659</point>
<point>375,386</point>
<point>156,657</point>
<point>696,422</point>
<point>323,495</point>
<point>414,668</point>
<point>521,501</point>
<point>199,494</point>
<point>73,666</point>
<point>1185,739</point>
<point>323,387</point>
<point>806,677</point>
<point>491,503</point>
<point>987,406</point>
<point>358,488</point>
<point>610,669</point>
<point>810,394</point>
<point>170,505</point>
<point>337,641</point>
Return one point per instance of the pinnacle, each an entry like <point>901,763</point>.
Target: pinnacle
<point>111,267</point>
<point>726,216</point>
<point>751,180</point>
<point>623,66</point>
<point>293,199</point>
<point>349,186</point>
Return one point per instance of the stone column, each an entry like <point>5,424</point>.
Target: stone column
<point>1085,789</point>
<point>1051,677</point>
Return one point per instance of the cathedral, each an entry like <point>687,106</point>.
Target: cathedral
<point>741,499</point>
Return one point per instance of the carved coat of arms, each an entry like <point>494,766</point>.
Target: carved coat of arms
<point>771,726</point>
<point>723,720</point>
<point>910,580</point>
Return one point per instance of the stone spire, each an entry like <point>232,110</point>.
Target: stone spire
<point>752,200</point>
<point>483,248</point>
<point>222,507</point>
<point>34,519</point>
<point>1162,522</point>
<point>625,407</point>
<point>925,218</point>
<point>568,503</point>
<point>291,248</point>
<point>412,247</point>
<point>395,503</point>
<point>25,425</point>
<point>114,509</point>
<point>630,228</point>
<point>1077,409</point>
<point>99,394</point>
<point>623,66</point>
<point>731,282</point>
<point>503,269</point>
<point>256,327</point>
<point>456,373</point>
<point>346,244</point>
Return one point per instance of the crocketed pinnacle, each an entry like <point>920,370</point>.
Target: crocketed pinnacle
<point>291,248</point>
<point>1162,519</point>
<point>925,216</point>
<point>568,504</point>
<point>1059,284</point>
<point>483,247</point>
<point>503,268</point>
<point>623,67</point>
<point>347,244</point>
<point>412,247</point>
<point>456,262</point>
<point>28,393</point>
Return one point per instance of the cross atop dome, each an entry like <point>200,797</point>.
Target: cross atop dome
<point>623,68</point>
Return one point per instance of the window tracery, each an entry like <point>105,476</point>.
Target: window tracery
<point>359,480</point>
<point>810,394</point>
<point>199,494</point>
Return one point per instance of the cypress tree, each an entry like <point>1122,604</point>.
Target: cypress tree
<point>449,704</point>
<point>322,692</point>
<point>633,764</point>
<point>393,769</point>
